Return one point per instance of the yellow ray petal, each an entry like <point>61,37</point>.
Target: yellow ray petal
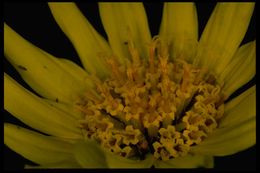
<point>179,29</point>
<point>190,161</point>
<point>41,71</point>
<point>223,34</point>
<point>241,69</point>
<point>38,148</point>
<point>86,40</point>
<point>240,55</point>
<point>114,161</point>
<point>66,108</point>
<point>35,112</point>
<point>89,154</point>
<point>123,21</point>
<point>229,140</point>
<point>240,109</point>
<point>74,70</point>
<point>237,130</point>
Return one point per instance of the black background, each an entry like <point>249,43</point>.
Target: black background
<point>36,24</point>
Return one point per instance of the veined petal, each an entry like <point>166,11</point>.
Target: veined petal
<point>240,56</point>
<point>35,112</point>
<point>240,109</point>
<point>89,154</point>
<point>241,69</point>
<point>124,22</point>
<point>66,108</point>
<point>237,127</point>
<point>179,29</point>
<point>74,70</point>
<point>36,147</point>
<point>223,34</point>
<point>190,161</point>
<point>41,71</point>
<point>229,140</point>
<point>86,40</point>
<point>114,161</point>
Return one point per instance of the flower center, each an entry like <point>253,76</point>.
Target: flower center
<point>152,105</point>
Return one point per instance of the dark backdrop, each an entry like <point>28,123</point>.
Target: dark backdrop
<point>35,23</point>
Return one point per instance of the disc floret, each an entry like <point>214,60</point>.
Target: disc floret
<point>153,104</point>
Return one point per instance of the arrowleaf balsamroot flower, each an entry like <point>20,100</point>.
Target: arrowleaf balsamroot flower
<point>140,101</point>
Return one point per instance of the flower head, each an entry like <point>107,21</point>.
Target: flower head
<point>140,101</point>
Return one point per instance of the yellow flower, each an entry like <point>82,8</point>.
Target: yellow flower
<point>140,101</point>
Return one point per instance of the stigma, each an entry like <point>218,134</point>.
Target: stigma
<point>151,105</point>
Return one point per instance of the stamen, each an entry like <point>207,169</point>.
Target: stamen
<point>134,53</point>
<point>152,53</point>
